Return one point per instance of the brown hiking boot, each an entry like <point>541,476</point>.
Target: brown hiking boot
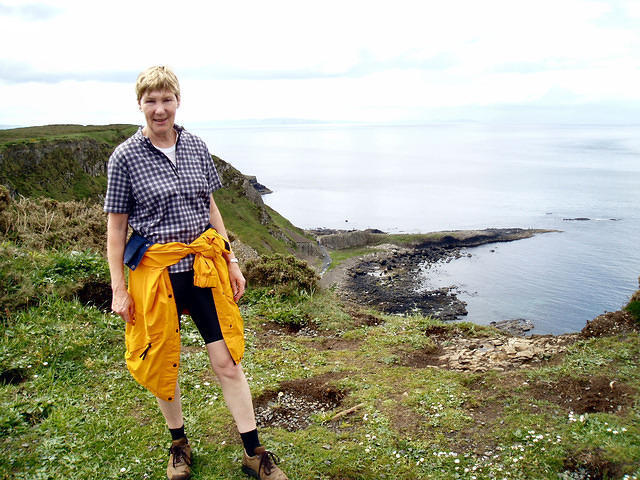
<point>263,465</point>
<point>179,460</point>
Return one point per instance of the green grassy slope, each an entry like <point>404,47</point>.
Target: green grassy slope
<point>111,134</point>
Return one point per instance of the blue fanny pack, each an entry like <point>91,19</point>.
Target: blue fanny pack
<point>135,250</point>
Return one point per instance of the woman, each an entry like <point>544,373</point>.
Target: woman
<point>160,182</point>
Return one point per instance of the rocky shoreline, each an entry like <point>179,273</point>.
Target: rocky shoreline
<point>385,279</point>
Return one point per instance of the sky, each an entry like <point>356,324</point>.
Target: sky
<point>69,61</point>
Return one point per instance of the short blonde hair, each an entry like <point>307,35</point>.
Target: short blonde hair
<point>159,77</point>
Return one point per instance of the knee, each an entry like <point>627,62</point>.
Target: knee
<point>228,371</point>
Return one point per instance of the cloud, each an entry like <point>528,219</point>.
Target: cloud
<point>545,65</point>
<point>364,66</point>
<point>21,72</point>
<point>331,60</point>
<point>30,12</point>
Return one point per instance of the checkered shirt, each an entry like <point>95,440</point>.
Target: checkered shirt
<point>165,203</point>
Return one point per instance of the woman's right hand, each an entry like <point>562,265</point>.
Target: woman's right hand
<point>122,304</point>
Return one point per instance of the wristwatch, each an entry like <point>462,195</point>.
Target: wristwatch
<point>233,260</point>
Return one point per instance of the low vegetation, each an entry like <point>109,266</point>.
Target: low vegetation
<point>284,271</point>
<point>105,133</point>
<point>43,223</point>
<point>633,307</point>
<point>29,277</point>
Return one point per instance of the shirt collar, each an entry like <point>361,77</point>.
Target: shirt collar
<point>140,136</point>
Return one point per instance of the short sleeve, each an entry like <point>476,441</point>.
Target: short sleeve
<point>118,198</point>
<point>212,174</point>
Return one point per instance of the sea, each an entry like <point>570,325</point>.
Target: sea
<point>581,180</point>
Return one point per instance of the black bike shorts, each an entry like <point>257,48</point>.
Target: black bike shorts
<point>199,304</point>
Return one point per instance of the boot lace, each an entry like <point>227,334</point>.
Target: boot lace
<point>268,461</point>
<point>179,455</point>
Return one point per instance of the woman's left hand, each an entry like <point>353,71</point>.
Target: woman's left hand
<point>237,280</point>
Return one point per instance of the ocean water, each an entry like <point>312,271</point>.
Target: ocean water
<point>452,176</point>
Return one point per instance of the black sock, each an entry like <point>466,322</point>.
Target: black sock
<point>250,441</point>
<point>177,433</point>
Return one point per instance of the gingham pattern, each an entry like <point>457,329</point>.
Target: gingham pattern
<point>164,203</point>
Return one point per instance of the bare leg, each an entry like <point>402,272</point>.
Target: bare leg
<point>235,387</point>
<point>172,411</point>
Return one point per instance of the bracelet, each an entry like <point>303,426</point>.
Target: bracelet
<point>233,260</point>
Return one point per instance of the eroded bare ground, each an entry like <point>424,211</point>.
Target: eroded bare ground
<point>295,401</point>
<point>586,395</point>
<point>361,318</point>
<point>610,323</point>
<point>592,465</point>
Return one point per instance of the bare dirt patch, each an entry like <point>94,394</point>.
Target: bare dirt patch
<point>591,465</point>
<point>293,404</point>
<point>269,334</point>
<point>486,407</point>
<point>365,319</point>
<point>423,358</point>
<point>586,395</point>
<point>609,324</point>
<point>95,293</point>
<point>13,376</point>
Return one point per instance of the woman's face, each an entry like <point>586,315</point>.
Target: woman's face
<point>159,108</point>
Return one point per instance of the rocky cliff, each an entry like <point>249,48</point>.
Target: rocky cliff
<point>62,162</point>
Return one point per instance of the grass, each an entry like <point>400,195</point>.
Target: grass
<point>69,409</point>
<point>339,256</point>
<point>104,133</point>
<point>242,217</point>
<point>245,219</point>
<point>27,277</point>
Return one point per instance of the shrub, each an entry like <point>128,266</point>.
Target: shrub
<point>41,223</point>
<point>289,310</point>
<point>633,307</point>
<point>283,271</point>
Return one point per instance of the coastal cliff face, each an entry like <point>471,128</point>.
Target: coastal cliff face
<point>232,178</point>
<point>64,169</point>
<point>61,162</point>
<point>240,201</point>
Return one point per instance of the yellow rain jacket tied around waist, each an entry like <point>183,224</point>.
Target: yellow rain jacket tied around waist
<point>153,340</point>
